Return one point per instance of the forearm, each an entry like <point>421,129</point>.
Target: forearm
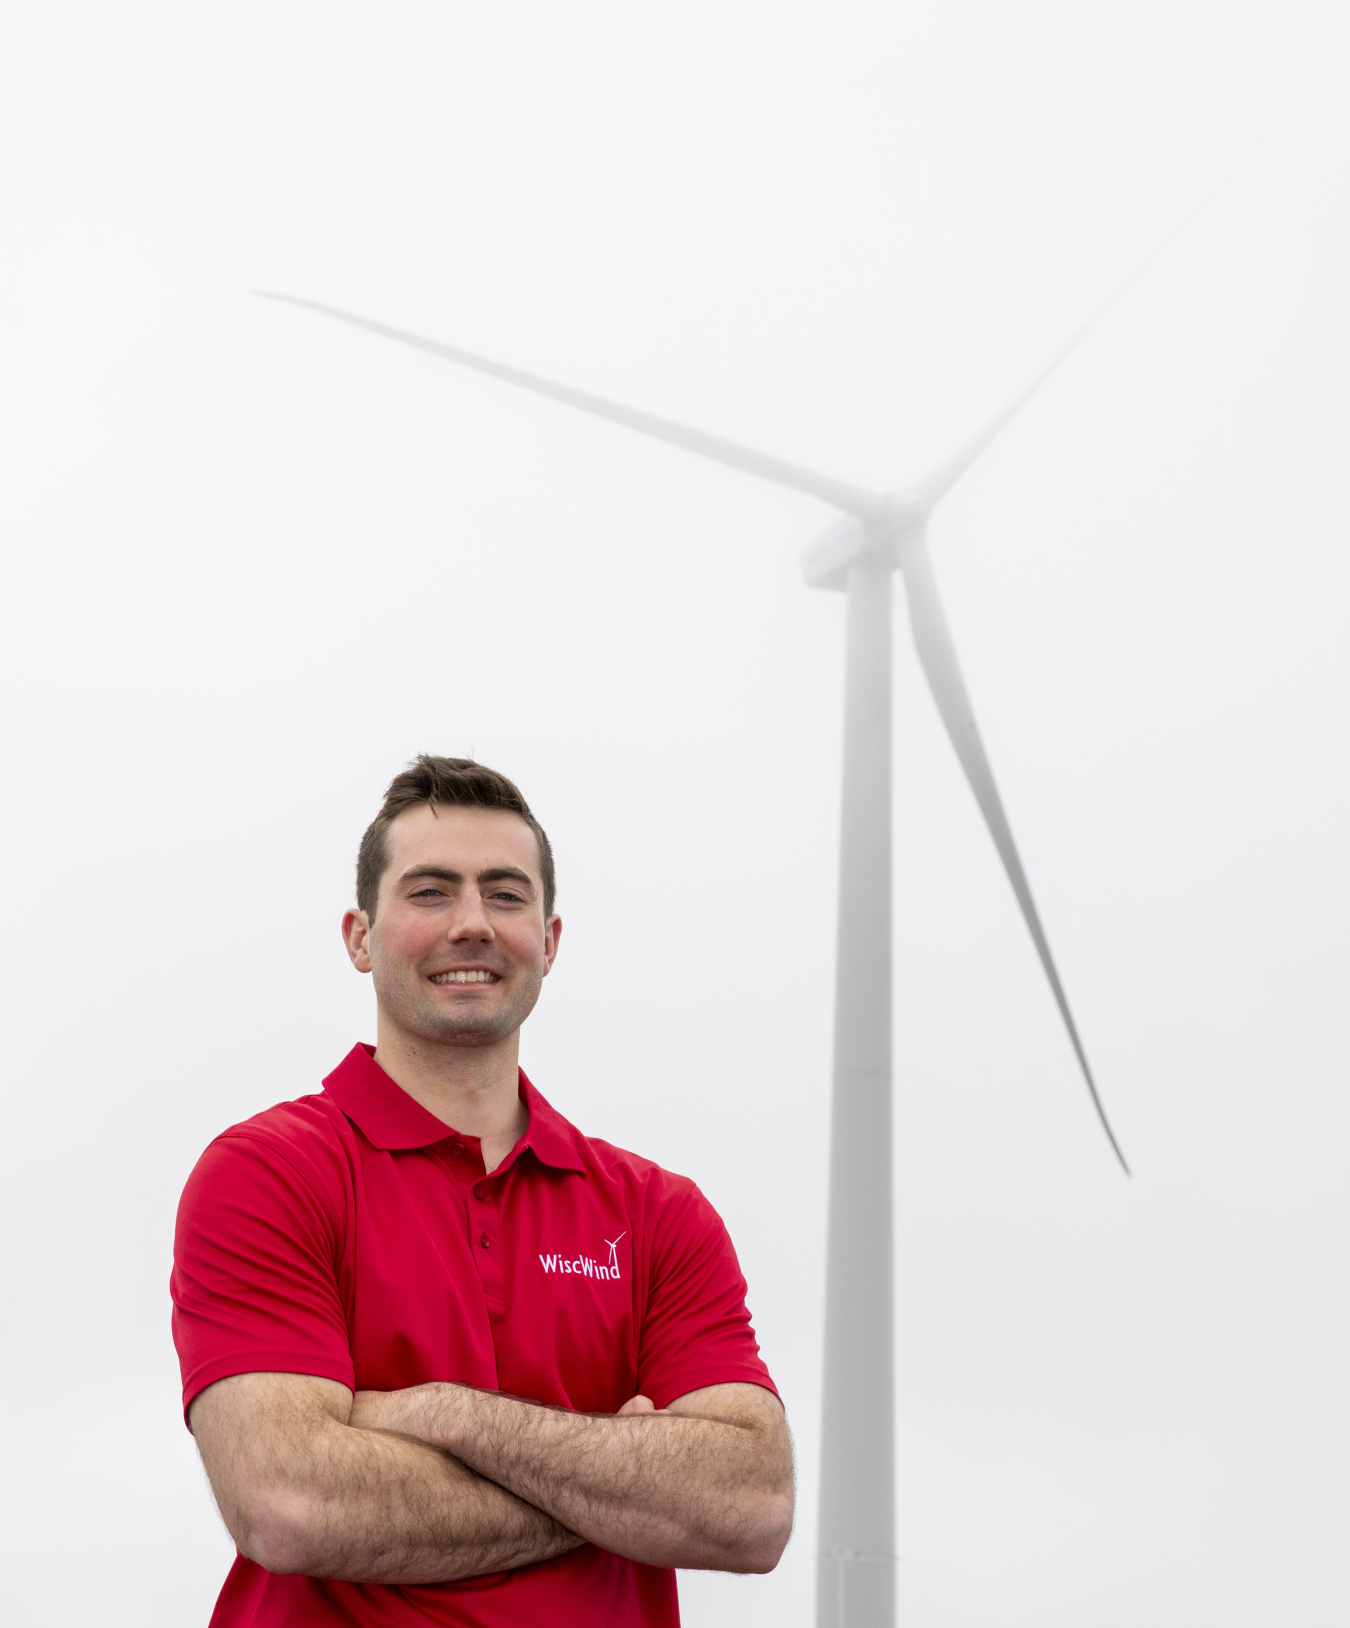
<point>302,1491</point>
<point>662,1488</point>
<point>378,1508</point>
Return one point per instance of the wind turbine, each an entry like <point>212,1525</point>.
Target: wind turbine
<point>877,533</point>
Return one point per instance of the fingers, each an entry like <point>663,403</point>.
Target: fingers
<point>638,1404</point>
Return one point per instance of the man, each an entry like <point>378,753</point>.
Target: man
<point>446,1359</point>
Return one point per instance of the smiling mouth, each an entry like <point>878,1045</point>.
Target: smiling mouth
<point>474,977</point>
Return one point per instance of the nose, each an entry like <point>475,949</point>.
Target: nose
<point>470,923</point>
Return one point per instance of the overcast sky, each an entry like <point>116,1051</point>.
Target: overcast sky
<point>255,561</point>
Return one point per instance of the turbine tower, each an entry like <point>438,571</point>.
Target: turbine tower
<point>877,534</point>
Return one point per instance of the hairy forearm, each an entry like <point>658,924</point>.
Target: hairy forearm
<point>377,1508</point>
<point>308,1493</point>
<point>667,1489</point>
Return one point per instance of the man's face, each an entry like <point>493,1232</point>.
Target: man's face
<point>459,946</point>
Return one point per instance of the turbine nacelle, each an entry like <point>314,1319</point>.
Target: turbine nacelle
<point>900,523</point>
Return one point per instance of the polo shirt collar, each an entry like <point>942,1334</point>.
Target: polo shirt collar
<point>391,1120</point>
<point>551,1138</point>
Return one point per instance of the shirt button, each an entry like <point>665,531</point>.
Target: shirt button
<point>480,1191</point>
<point>485,1240</point>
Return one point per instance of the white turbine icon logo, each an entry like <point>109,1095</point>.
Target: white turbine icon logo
<point>878,533</point>
<point>614,1254</point>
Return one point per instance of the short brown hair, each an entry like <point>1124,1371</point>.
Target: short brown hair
<point>453,782</point>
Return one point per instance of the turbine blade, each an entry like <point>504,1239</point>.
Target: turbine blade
<point>841,494</point>
<point>937,655</point>
<point>939,480</point>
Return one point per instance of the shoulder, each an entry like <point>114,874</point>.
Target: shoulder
<point>668,1200</point>
<point>619,1165</point>
<point>306,1145</point>
<point>661,1203</point>
<point>565,1146</point>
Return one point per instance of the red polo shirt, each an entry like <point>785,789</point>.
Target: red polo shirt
<point>354,1236</point>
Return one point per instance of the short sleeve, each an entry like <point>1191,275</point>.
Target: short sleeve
<point>257,1255</point>
<point>696,1330</point>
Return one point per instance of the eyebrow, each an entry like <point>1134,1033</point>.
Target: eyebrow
<point>497,873</point>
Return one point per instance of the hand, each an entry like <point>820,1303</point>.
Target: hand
<point>640,1404</point>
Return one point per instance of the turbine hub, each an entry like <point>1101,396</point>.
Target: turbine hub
<point>900,520</point>
<point>903,510</point>
<point>904,517</point>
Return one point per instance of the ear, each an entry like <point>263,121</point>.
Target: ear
<point>355,933</point>
<point>552,933</point>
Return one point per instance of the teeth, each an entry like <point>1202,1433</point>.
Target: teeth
<point>464,978</point>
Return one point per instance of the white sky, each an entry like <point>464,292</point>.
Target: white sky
<point>256,561</point>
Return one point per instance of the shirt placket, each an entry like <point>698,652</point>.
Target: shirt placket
<point>483,1204</point>
<point>485,1201</point>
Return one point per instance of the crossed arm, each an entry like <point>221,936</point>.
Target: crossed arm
<point>442,1481</point>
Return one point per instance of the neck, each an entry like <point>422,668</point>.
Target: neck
<point>473,1089</point>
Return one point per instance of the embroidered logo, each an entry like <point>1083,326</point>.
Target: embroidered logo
<point>584,1265</point>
